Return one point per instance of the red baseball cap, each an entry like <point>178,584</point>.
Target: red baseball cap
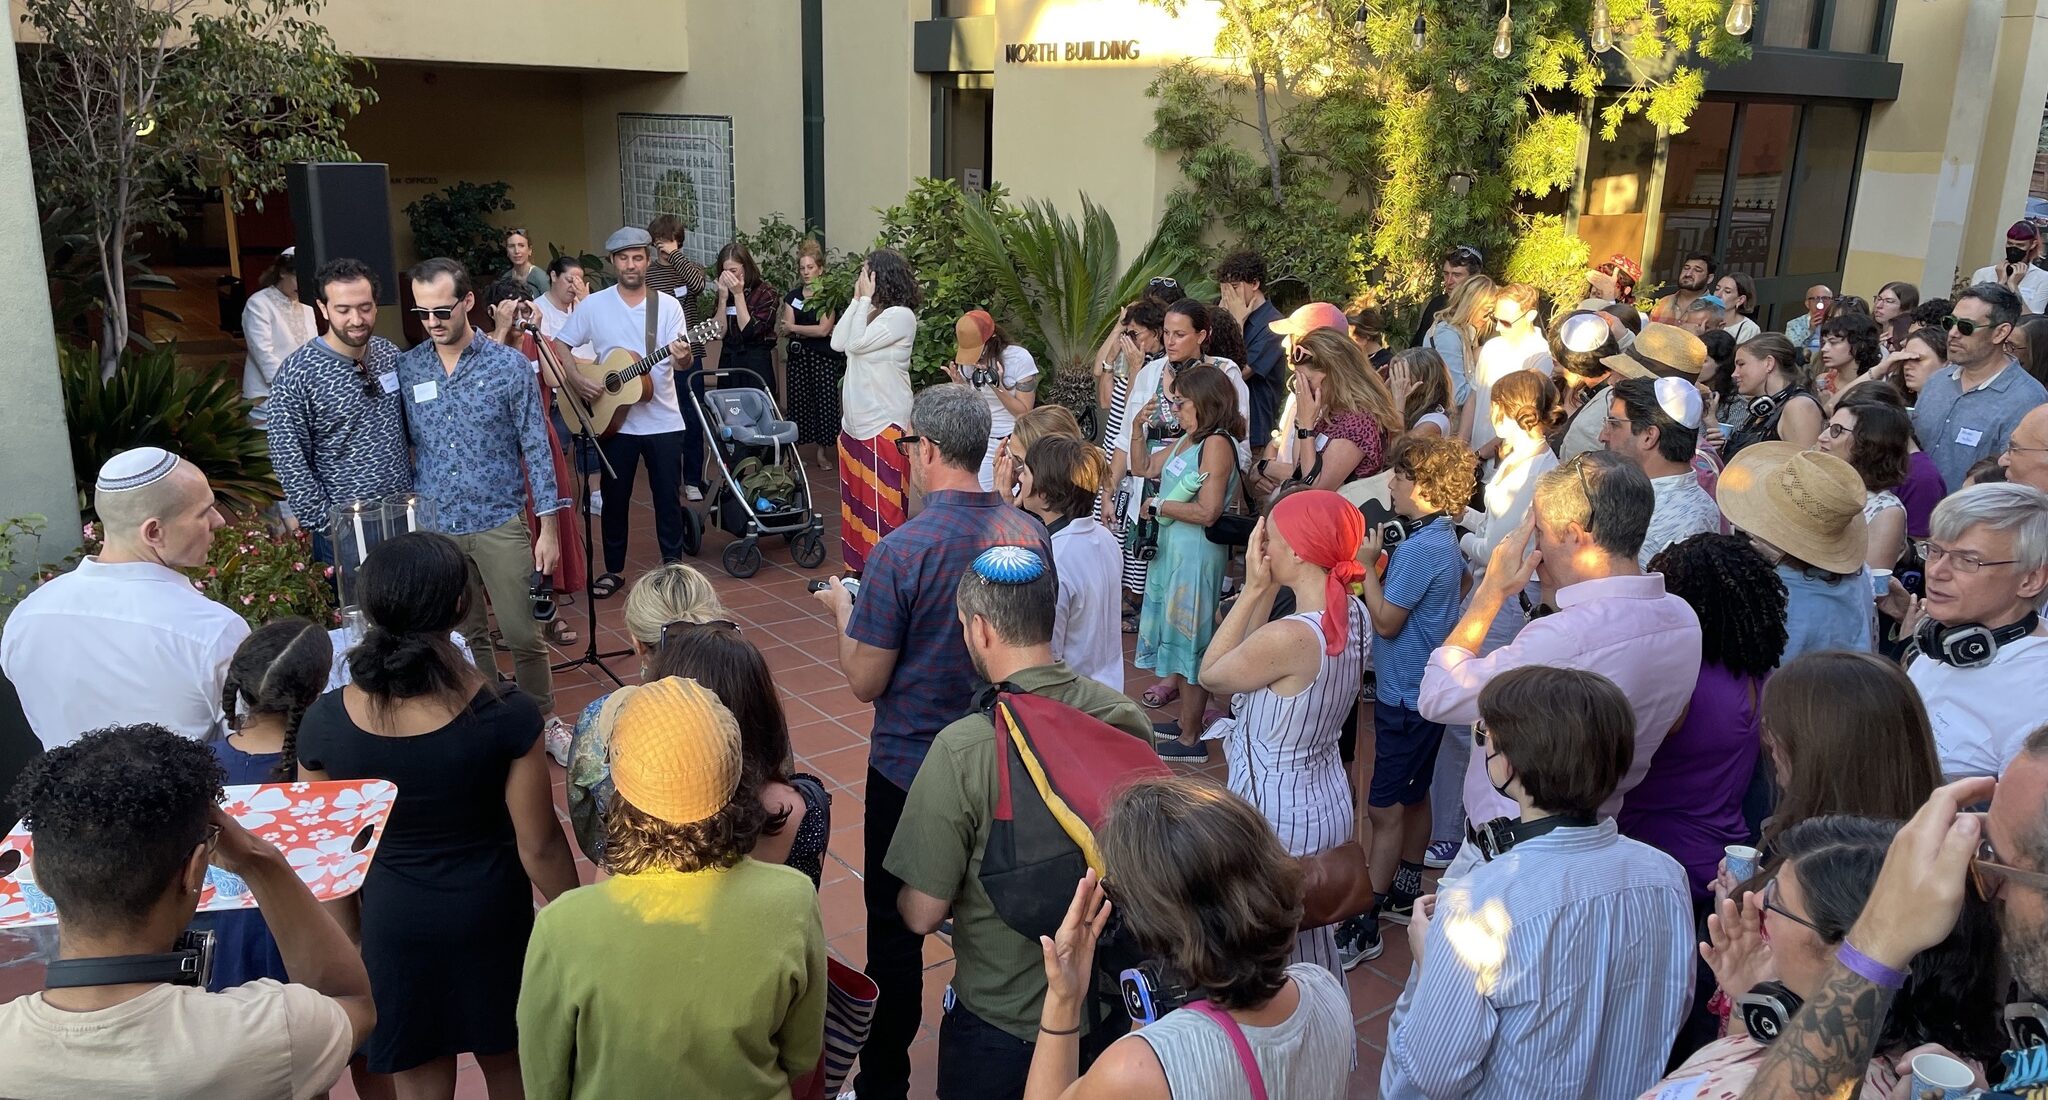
<point>1311,317</point>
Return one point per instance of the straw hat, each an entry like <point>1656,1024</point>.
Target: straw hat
<point>1808,504</point>
<point>1660,351</point>
<point>674,749</point>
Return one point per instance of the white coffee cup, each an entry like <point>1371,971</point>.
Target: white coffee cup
<point>1880,582</point>
<point>1742,861</point>
<point>1939,1077</point>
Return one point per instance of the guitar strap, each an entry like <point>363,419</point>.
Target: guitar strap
<point>653,322</point>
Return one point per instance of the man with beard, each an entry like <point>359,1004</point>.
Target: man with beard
<point>1915,904</point>
<point>615,319</point>
<point>1695,274</point>
<point>987,1039</point>
<point>337,433</point>
<point>473,415</point>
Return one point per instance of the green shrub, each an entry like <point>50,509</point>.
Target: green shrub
<point>153,402</point>
<point>455,222</point>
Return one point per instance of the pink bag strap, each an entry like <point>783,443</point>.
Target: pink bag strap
<point>1230,1027</point>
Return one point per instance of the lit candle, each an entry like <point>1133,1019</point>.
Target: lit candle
<point>362,547</point>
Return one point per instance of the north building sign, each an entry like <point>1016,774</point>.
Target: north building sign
<point>1024,53</point>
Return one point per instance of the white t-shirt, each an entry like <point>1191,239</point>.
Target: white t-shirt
<point>260,1041</point>
<point>1018,367</point>
<point>608,324</point>
<point>111,644</point>
<point>1499,357</point>
<point>2033,285</point>
<point>1087,627</point>
<point>1981,716</point>
<point>552,318</point>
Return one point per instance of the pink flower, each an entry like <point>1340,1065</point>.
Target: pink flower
<point>298,567</point>
<point>242,549</point>
<point>247,600</point>
<point>90,531</point>
<point>273,597</point>
<point>212,571</point>
<point>327,572</point>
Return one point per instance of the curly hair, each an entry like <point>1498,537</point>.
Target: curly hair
<point>1242,267</point>
<point>1444,471</point>
<point>1861,332</point>
<point>280,668</point>
<point>636,842</point>
<point>1226,337</point>
<point>1928,313</point>
<point>1737,595</point>
<point>115,816</point>
<point>895,283</point>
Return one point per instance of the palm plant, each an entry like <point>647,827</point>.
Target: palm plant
<point>1059,286</point>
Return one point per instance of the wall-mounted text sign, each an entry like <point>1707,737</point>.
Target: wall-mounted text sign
<point>1024,53</point>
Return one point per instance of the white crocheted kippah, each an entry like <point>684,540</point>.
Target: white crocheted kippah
<point>135,468</point>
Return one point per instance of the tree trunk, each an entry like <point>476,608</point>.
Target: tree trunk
<point>114,323</point>
<point>1266,132</point>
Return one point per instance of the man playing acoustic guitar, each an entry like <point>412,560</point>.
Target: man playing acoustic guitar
<point>615,319</point>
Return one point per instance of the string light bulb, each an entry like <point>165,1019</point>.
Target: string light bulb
<point>1504,38</point>
<point>1741,16</point>
<point>1419,28</point>
<point>1601,35</point>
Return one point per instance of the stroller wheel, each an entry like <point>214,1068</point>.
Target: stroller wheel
<point>807,548</point>
<point>743,558</point>
<point>693,532</point>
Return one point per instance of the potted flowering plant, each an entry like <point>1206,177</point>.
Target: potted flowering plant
<point>260,573</point>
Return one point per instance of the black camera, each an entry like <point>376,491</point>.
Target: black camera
<point>851,584</point>
<point>1145,537</point>
<point>541,590</point>
<point>984,376</point>
<point>1378,517</point>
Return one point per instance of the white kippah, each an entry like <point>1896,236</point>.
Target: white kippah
<point>135,468</point>
<point>1680,401</point>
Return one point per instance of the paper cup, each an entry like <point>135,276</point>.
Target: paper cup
<point>1939,1077</point>
<point>1880,582</point>
<point>1742,861</point>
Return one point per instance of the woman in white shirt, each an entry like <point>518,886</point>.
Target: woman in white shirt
<point>1738,294</point>
<point>875,334</point>
<point>1002,372</point>
<point>275,323</point>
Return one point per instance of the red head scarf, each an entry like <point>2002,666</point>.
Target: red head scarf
<point>1324,529</point>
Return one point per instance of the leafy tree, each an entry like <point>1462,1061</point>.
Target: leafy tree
<point>455,222</point>
<point>128,101</point>
<point>1360,128</point>
<point>926,228</point>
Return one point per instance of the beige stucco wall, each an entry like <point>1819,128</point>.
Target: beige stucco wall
<point>35,450</point>
<point>878,114</point>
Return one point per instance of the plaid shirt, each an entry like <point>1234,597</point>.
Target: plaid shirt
<point>906,593</point>
<point>471,428</point>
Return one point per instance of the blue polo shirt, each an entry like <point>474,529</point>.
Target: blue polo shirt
<point>1423,575</point>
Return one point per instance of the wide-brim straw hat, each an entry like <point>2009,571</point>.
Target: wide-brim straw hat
<point>1661,351</point>
<point>1808,504</point>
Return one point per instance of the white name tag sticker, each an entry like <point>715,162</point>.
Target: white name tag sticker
<point>389,380</point>
<point>425,392</point>
<point>1681,1090</point>
<point>796,303</point>
<point>732,311</point>
<point>1969,437</point>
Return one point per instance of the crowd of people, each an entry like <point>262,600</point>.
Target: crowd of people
<point>1654,670</point>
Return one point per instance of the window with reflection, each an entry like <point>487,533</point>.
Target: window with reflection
<point>1619,177</point>
<point>1695,172</point>
<point>1843,26</point>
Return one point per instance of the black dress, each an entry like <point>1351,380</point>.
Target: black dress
<point>814,374</point>
<point>447,907</point>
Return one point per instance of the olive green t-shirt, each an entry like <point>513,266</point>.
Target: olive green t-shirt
<point>998,974</point>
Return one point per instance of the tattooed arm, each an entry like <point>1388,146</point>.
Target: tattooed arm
<point>1825,1052</point>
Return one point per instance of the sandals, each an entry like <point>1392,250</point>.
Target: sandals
<point>606,586</point>
<point>558,633</point>
<point>1159,695</point>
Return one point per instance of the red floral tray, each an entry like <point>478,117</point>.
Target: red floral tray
<point>327,830</point>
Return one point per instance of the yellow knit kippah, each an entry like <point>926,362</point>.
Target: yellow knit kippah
<point>675,751</point>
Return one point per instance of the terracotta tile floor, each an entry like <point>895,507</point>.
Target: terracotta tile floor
<point>829,729</point>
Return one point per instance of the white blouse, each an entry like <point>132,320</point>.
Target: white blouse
<point>273,326</point>
<point>876,390</point>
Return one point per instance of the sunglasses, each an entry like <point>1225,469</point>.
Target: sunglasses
<point>1299,356</point>
<point>438,313</point>
<point>1962,326</point>
<point>905,443</point>
<point>683,626</point>
<point>1163,283</point>
<point>371,389</point>
<point>1479,734</point>
<point>1465,255</point>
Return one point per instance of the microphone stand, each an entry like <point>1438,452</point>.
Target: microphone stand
<point>584,432</point>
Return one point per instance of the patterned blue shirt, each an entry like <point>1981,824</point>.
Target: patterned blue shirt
<point>1423,575</point>
<point>471,428</point>
<point>907,604</point>
<point>1562,968</point>
<point>330,442</point>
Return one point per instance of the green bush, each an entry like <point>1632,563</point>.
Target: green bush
<point>926,228</point>
<point>455,222</point>
<point>255,572</point>
<point>774,246</point>
<point>153,402</point>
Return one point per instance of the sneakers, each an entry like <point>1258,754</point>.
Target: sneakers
<point>1358,940</point>
<point>1441,854</point>
<point>1166,731</point>
<point>692,493</point>
<point>1196,753</point>
<point>1398,909</point>
<point>555,739</point>
<point>597,502</point>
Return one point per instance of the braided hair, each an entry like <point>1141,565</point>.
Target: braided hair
<point>280,668</point>
<point>1737,595</point>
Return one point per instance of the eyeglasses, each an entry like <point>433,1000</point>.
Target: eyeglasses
<point>1887,300</point>
<point>2013,448</point>
<point>905,443</point>
<point>1961,326</point>
<point>1820,299</point>
<point>1833,430</point>
<point>1479,734</point>
<point>1612,422</point>
<point>683,626</point>
<point>1989,873</point>
<point>1774,905</point>
<point>1932,551</point>
<point>438,313</point>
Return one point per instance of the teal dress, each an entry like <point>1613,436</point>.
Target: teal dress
<point>1185,582</point>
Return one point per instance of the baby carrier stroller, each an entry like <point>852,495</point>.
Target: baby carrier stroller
<point>762,489</point>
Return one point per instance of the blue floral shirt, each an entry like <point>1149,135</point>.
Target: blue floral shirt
<point>471,428</point>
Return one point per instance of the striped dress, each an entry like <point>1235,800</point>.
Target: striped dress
<point>1283,759</point>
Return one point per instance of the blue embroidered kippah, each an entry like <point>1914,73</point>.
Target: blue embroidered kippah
<point>1009,565</point>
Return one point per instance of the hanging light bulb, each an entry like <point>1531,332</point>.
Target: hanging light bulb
<point>1358,17</point>
<point>1504,38</point>
<point>1601,35</point>
<point>1741,16</point>
<point>1418,30</point>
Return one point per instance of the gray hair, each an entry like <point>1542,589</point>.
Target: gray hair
<point>955,419</point>
<point>2001,506</point>
<point>1604,493</point>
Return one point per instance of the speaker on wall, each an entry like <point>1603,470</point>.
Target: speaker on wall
<point>343,210</point>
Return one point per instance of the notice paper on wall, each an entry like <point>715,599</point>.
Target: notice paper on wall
<point>327,831</point>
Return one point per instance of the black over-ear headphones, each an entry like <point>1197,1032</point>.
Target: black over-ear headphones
<point>1767,1010</point>
<point>1969,645</point>
<point>189,963</point>
<point>1760,408</point>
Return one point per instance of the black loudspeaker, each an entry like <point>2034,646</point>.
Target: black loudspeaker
<point>343,210</point>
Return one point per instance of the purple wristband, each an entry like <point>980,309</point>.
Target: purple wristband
<point>1867,968</point>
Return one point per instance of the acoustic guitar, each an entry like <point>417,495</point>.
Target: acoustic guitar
<point>625,381</point>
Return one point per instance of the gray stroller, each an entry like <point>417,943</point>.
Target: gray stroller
<point>762,489</point>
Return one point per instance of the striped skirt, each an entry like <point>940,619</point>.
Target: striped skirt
<point>872,473</point>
